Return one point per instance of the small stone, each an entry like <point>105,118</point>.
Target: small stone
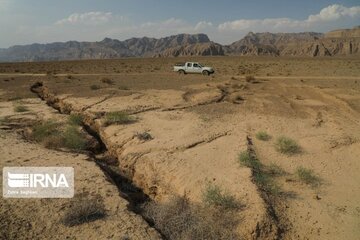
<point>317,197</point>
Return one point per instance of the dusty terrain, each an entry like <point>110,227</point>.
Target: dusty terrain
<point>199,125</point>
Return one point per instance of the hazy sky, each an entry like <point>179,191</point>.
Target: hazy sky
<point>225,21</point>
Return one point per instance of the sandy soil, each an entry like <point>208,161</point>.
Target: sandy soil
<point>199,126</point>
<point>41,218</point>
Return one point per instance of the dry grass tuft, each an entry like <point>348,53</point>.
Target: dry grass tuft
<point>177,219</point>
<point>118,118</point>
<point>84,209</point>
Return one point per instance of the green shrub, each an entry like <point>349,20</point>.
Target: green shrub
<point>43,130</point>
<point>263,136</point>
<point>307,176</point>
<point>249,161</point>
<point>74,139</point>
<point>75,119</point>
<point>214,195</point>
<point>261,178</point>
<point>287,146</point>
<point>275,170</point>
<point>266,183</point>
<point>21,108</point>
<point>118,118</point>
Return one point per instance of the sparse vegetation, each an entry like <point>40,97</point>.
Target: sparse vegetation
<point>287,146</point>
<point>247,160</point>
<point>118,118</point>
<point>75,119</point>
<point>307,176</point>
<point>263,136</point>
<point>44,130</point>
<point>261,177</point>
<point>84,209</point>
<point>95,87</point>
<point>144,136</point>
<point>215,196</point>
<point>178,219</point>
<point>74,139</point>
<point>52,135</point>
<point>275,170</point>
<point>264,181</point>
<point>21,108</point>
<point>53,141</point>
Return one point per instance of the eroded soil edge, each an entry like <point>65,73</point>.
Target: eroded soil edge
<point>107,160</point>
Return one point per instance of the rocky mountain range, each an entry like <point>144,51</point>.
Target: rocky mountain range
<point>338,42</point>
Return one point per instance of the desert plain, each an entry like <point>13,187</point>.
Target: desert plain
<point>265,148</point>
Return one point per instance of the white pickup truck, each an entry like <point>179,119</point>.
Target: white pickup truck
<point>192,67</point>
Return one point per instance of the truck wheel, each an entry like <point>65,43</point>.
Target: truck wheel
<point>181,72</point>
<point>206,73</point>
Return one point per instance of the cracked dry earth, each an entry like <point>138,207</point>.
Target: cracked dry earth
<point>198,132</point>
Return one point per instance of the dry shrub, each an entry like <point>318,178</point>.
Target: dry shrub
<point>95,87</point>
<point>144,136</point>
<point>107,81</point>
<point>53,141</point>
<point>84,208</point>
<point>118,117</point>
<point>178,219</point>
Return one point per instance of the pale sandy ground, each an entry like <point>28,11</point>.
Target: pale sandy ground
<point>199,129</point>
<point>192,145</point>
<point>41,218</point>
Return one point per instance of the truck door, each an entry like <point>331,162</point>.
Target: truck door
<point>197,68</point>
<point>189,68</point>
